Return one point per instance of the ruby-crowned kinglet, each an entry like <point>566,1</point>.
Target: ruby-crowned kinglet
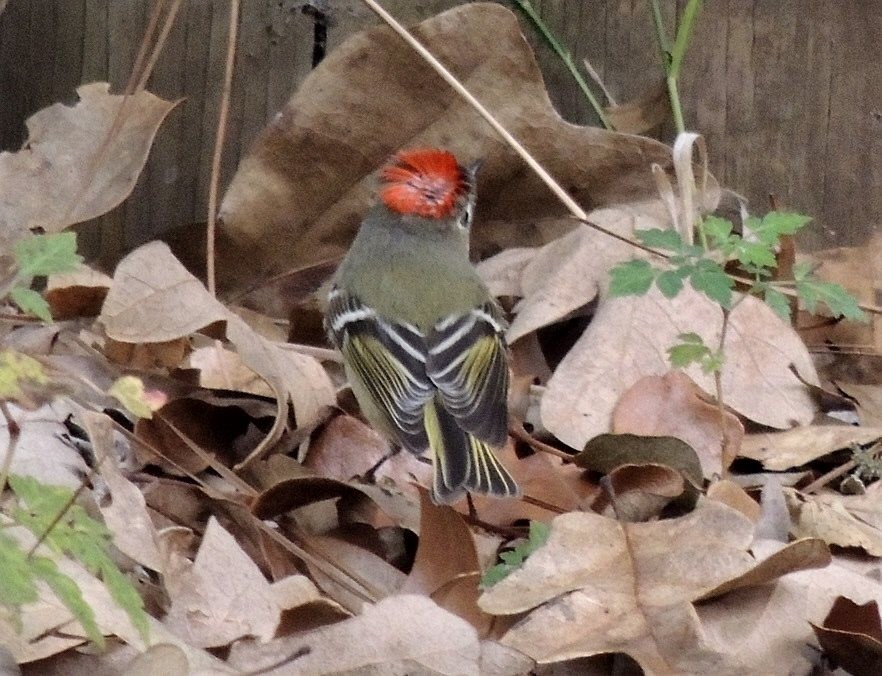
<point>421,337</point>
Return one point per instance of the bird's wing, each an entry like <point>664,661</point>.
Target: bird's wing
<point>390,361</point>
<point>467,362</point>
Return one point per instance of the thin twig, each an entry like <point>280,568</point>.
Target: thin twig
<point>61,512</point>
<point>824,479</point>
<point>524,154</point>
<point>457,86</point>
<point>518,432</point>
<point>160,43</point>
<point>223,112</point>
<point>597,79</point>
<point>14,430</point>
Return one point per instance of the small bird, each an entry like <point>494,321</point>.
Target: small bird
<point>421,337</point>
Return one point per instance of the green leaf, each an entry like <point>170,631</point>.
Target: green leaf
<point>16,368</point>
<point>717,228</point>
<point>709,278</point>
<point>686,354</point>
<point>514,559</point>
<point>67,591</point>
<point>78,535</point>
<point>667,240</point>
<point>778,302</point>
<point>30,302</point>
<point>839,301</point>
<point>18,585</point>
<point>756,253</point>
<point>669,283</point>
<point>42,255</point>
<point>632,278</point>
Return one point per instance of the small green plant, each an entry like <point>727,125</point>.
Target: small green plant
<point>52,515</point>
<point>703,267</point>
<point>39,256</point>
<point>51,512</point>
<point>514,559</point>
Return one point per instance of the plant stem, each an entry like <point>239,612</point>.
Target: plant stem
<point>564,54</point>
<point>672,57</point>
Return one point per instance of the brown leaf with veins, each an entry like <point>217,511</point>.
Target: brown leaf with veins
<point>301,191</point>
<point>446,565</point>
<point>222,597</point>
<point>672,405</point>
<point>154,299</point>
<point>406,634</point>
<point>628,339</point>
<point>68,173</point>
<point>599,586</point>
<point>800,445</point>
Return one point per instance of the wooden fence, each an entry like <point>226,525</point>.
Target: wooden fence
<point>788,93</point>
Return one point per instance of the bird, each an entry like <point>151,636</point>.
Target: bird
<point>422,339</point>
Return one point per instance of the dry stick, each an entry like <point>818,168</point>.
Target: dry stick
<point>518,432</point>
<point>597,79</point>
<point>549,181</point>
<point>160,43</point>
<point>14,430</point>
<point>448,77</point>
<point>837,472</point>
<point>223,112</point>
<point>121,113</point>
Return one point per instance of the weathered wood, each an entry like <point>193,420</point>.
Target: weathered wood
<point>788,94</point>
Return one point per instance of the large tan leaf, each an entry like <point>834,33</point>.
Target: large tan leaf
<point>68,173</point>
<point>222,597</point>
<point>599,585</point>
<point>800,445</point>
<point>301,191</point>
<point>405,634</point>
<point>154,299</point>
<point>628,339</point>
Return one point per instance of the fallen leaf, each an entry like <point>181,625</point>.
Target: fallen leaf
<point>222,597</point>
<point>153,298</point>
<point>672,405</point>
<point>627,340</point>
<point>869,401</point>
<point>730,493</point>
<point>603,586</point>
<point>640,492</point>
<point>299,194</point>
<point>223,369</point>
<point>828,519</point>
<point>800,445</point>
<point>446,565</point>
<point>76,294</point>
<point>69,172</point>
<point>852,636</point>
<point>126,515</point>
<point>345,448</point>
<point>400,635</point>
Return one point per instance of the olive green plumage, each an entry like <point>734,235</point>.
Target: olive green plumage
<point>420,335</point>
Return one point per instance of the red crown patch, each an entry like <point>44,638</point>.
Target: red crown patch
<point>424,182</point>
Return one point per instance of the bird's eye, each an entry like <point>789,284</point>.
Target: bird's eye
<point>465,219</point>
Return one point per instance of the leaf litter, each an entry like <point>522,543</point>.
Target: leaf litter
<point>270,529</point>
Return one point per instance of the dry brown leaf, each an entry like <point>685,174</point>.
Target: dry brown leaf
<point>154,299</point>
<point>628,339</point>
<point>826,517</point>
<point>672,405</point>
<point>42,451</point>
<point>400,635</point>
<point>502,273</point>
<point>222,597</point>
<point>224,369</point>
<point>77,294</point>
<point>67,173</point>
<point>301,191</point>
<point>852,636</point>
<point>640,492</point>
<point>446,565</point>
<point>801,445</point>
<point>603,586</point>
<point>767,627</point>
<point>730,493</point>
<point>126,515</point>
<point>345,448</point>
<point>869,401</point>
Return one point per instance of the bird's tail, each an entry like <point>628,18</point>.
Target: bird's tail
<point>460,461</point>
